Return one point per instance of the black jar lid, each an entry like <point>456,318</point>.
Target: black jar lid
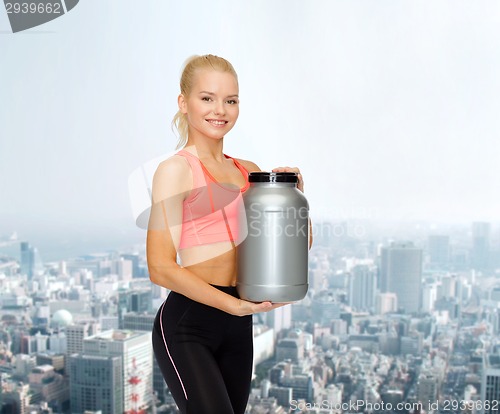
<point>273,177</point>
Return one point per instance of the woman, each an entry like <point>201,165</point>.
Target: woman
<point>202,336</point>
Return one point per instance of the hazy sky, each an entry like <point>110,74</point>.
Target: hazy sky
<point>391,108</point>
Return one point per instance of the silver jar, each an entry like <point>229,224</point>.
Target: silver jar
<point>273,258</point>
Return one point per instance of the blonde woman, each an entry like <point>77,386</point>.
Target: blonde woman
<point>202,336</point>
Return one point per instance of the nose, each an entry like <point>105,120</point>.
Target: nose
<point>219,108</point>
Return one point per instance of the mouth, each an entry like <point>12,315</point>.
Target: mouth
<point>216,122</point>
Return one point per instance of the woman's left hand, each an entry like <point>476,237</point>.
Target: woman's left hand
<point>300,184</point>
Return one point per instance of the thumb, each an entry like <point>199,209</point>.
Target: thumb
<point>264,306</point>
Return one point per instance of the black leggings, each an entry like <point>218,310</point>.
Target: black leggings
<point>205,355</point>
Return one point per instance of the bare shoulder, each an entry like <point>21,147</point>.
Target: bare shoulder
<point>249,165</point>
<point>172,176</point>
<point>174,165</point>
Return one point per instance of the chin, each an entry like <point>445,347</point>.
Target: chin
<point>217,136</point>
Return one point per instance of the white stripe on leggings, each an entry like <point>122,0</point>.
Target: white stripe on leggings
<point>166,347</point>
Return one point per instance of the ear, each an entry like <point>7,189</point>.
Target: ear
<point>181,101</point>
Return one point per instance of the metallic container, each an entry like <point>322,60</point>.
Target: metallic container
<point>273,258</point>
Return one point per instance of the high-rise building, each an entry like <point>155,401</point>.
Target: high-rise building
<point>28,344</point>
<point>439,250</point>
<point>123,268</point>
<point>27,260</point>
<point>362,284</point>
<point>96,383</point>
<point>58,342</point>
<point>135,350</point>
<point>144,322</point>
<point>427,389</point>
<point>386,303</point>
<point>429,296</point>
<point>490,382</point>
<point>263,343</point>
<point>75,334</point>
<point>279,318</point>
<point>134,258</point>
<point>480,245</point>
<point>401,273</point>
<point>136,300</point>
<point>448,287</point>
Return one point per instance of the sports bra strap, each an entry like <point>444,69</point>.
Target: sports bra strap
<point>196,168</point>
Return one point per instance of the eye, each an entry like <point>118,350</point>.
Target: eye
<point>232,101</point>
<point>206,99</point>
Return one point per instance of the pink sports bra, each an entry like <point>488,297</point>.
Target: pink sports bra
<point>213,211</point>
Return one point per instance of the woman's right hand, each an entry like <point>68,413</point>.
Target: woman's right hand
<point>249,308</point>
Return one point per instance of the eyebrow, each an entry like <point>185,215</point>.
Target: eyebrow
<point>213,94</point>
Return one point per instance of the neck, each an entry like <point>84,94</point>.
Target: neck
<point>206,148</point>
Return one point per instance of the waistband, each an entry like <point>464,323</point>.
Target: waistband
<point>230,290</point>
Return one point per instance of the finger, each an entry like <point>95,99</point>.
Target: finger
<point>262,307</point>
<point>287,169</point>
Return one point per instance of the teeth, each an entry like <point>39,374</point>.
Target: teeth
<point>217,122</point>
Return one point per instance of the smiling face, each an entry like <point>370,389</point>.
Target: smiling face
<point>212,106</point>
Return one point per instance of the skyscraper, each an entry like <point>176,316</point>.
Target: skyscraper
<point>96,383</point>
<point>27,260</point>
<point>427,389</point>
<point>134,258</point>
<point>439,250</point>
<point>490,382</point>
<point>362,283</point>
<point>480,245</point>
<point>75,334</point>
<point>401,273</point>
<point>279,319</point>
<point>135,350</point>
<point>144,322</point>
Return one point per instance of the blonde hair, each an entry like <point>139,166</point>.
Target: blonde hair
<point>193,64</point>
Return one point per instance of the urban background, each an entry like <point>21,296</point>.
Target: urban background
<point>406,316</point>
<point>389,108</point>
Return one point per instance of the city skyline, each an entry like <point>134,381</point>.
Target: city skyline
<point>386,120</point>
<point>80,241</point>
<point>389,108</point>
<point>65,324</point>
